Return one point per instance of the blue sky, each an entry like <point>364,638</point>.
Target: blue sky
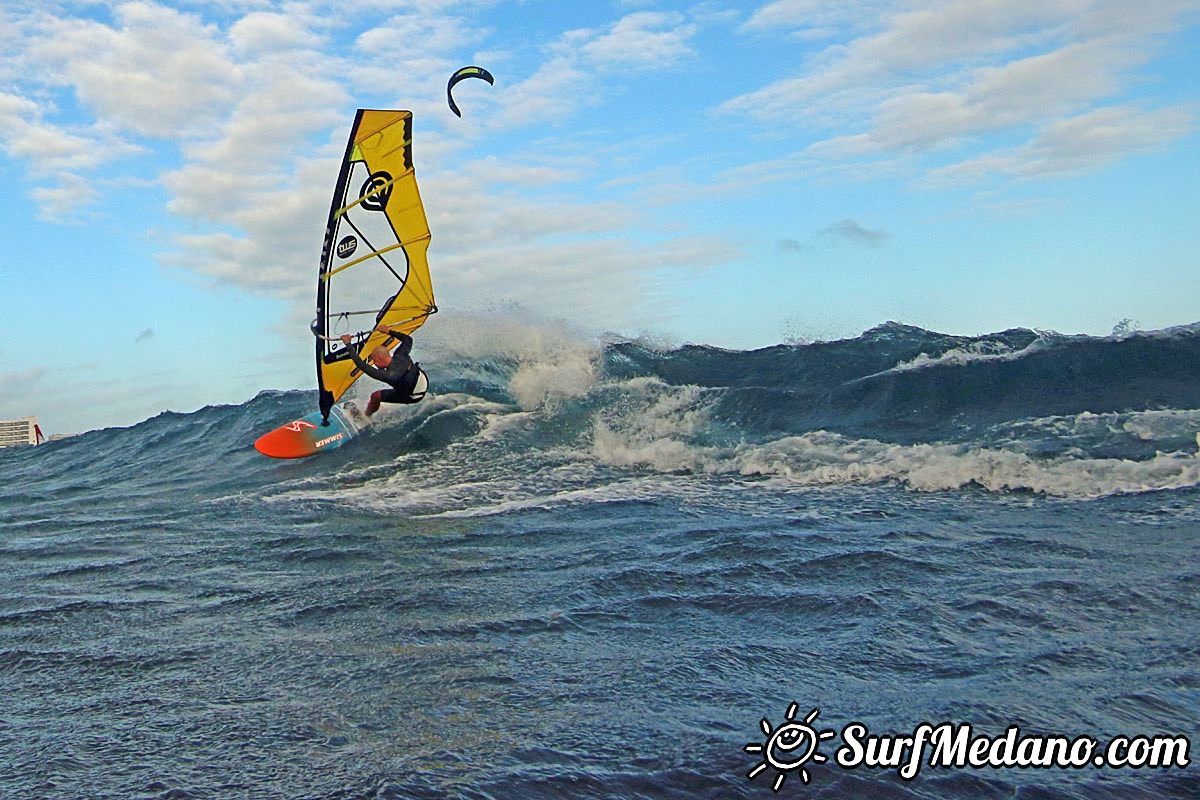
<point>735,174</point>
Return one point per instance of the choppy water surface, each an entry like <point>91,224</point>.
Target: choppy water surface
<point>592,574</point>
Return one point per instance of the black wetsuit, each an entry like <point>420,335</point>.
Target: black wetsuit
<point>401,374</point>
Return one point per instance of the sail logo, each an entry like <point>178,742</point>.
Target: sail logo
<point>347,246</point>
<point>376,191</point>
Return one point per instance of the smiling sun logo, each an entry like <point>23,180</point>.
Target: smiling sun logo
<point>789,747</point>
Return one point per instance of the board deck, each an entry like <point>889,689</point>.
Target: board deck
<point>307,436</point>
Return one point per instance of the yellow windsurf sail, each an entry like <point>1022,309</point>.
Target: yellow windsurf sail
<point>374,267</point>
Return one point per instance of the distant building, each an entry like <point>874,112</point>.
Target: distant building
<point>15,432</point>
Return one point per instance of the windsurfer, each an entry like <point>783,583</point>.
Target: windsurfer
<point>397,369</point>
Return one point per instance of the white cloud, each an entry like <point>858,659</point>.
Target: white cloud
<point>642,40</point>
<point>242,108</point>
<point>580,61</point>
<point>423,42</point>
<point>252,102</point>
<point>1077,144</point>
<point>811,19</point>
<point>1024,92</point>
<point>433,33</point>
<point>59,201</point>
<point>48,150</point>
<point>265,32</point>
<point>941,76</point>
<point>556,89</point>
<point>158,72</point>
<point>787,14</point>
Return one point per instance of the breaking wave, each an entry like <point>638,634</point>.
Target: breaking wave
<point>525,414</point>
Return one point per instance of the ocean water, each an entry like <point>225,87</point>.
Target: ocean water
<point>583,572</point>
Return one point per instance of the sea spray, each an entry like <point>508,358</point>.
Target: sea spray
<point>534,364</point>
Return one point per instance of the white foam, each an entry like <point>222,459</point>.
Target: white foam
<point>661,431</point>
<point>480,478</point>
<point>987,350</point>
<point>1153,426</point>
<point>824,459</point>
<point>650,434</point>
<point>655,425</point>
<point>1086,429</point>
<point>976,352</point>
